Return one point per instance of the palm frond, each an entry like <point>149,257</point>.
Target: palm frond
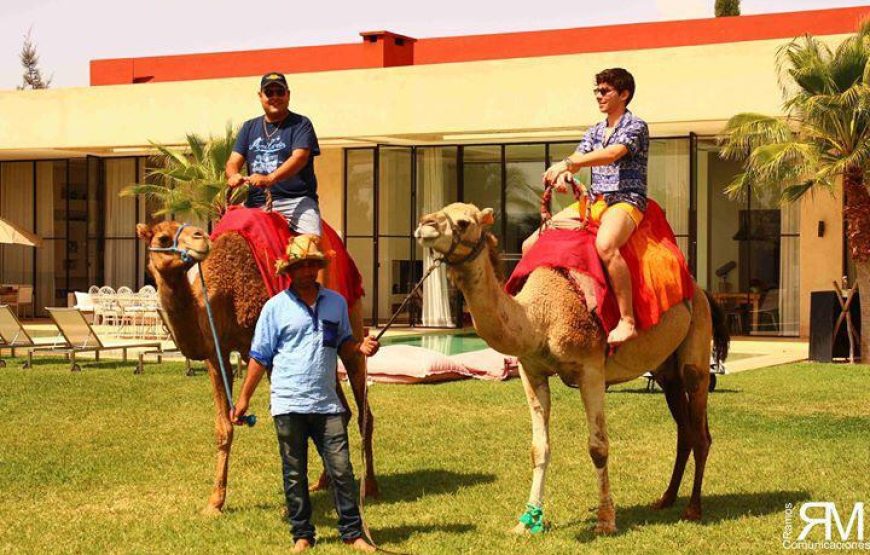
<point>747,131</point>
<point>189,183</point>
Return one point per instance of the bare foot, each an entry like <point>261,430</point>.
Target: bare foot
<point>360,544</point>
<point>301,545</point>
<point>623,332</point>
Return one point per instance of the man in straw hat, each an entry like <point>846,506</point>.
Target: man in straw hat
<point>298,335</point>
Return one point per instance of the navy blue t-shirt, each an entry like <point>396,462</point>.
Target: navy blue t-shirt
<point>264,154</point>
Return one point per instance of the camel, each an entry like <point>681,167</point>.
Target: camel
<point>551,328</point>
<point>237,295</point>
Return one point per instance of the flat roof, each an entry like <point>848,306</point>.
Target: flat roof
<point>387,49</point>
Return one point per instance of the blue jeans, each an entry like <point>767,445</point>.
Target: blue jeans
<point>330,437</point>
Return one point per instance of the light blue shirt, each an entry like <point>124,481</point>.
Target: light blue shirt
<point>300,344</point>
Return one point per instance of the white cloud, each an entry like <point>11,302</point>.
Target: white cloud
<point>684,9</point>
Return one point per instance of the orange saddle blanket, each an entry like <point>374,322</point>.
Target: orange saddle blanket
<point>660,277</point>
<point>267,235</point>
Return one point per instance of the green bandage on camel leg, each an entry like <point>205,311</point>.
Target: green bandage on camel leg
<point>533,519</point>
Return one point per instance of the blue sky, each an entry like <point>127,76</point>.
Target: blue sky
<point>71,33</point>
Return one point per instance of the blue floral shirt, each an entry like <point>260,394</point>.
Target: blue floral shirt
<point>625,179</point>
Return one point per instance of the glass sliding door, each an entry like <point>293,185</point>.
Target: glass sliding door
<point>669,185</point>
<point>359,216</point>
<point>751,250</point>
<point>483,182</point>
<point>396,264</point>
<point>436,187</point>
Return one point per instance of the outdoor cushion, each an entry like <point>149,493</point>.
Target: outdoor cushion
<point>83,301</point>
<point>410,364</point>
<point>488,364</point>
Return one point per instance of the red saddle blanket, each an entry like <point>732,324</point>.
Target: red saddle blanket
<point>660,277</point>
<point>267,235</point>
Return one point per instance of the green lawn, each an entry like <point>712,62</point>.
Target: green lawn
<point>105,461</point>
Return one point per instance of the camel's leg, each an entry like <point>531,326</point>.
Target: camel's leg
<point>223,435</point>
<point>593,394</point>
<point>537,388</point>
<point>669,378</point>
<point>693,359</point>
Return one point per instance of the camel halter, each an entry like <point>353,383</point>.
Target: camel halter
<point>456,240</point>
<point>183,253</point>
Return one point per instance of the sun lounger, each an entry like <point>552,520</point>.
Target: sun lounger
<point>81,338</point>
<point>140,367</point>
<point>14,336</point>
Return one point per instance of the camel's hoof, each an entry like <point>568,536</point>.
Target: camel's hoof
<point>211,510</point>
<point>605,528</point>
<point>692,514</point>
<point>663,503</point>
<point>520,530</point>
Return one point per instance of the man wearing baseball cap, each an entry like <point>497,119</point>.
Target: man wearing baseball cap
<point>298,335</point>
<point>279,149</point>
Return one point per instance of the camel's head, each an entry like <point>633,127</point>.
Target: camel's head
<point>173,246</point>
<point>454,230</point>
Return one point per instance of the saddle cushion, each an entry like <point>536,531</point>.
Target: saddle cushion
<point>267,235</point>
<point>660,277</point>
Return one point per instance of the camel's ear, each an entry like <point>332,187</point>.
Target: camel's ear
<point>144,232</point>
<point>486,218</point>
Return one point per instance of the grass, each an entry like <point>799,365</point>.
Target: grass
<point>105,461</point>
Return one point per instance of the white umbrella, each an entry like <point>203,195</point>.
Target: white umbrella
<point>11,234</point>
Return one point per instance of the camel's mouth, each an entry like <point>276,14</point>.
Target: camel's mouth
<point>199,255</point>
<point>427,234</point>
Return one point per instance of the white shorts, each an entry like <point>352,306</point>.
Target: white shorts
<point>302,214</point>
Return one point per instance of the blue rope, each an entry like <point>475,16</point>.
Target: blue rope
<point>250,419</point>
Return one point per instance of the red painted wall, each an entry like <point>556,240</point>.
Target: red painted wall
<point>389,49</point>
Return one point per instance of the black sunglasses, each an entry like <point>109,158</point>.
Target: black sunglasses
<point>603,91</point>
<point>274,91</point>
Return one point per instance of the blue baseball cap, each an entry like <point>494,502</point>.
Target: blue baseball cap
<point>273,78</point>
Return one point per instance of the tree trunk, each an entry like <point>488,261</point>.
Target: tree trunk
<point>863,281</point>
<point>856,212</point>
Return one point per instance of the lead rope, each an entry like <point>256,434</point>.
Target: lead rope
<point>248,419</point>
<point>366,462</point>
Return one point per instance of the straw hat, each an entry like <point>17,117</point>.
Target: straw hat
<point>300,248</point>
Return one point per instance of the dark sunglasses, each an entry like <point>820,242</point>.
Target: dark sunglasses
<point>274,91</point>
<point>602,91</point>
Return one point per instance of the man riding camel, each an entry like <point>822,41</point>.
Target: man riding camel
<point>616,150</point>
<point>279,148</point>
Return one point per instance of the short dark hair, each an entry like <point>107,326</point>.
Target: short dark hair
<point>619,79</point>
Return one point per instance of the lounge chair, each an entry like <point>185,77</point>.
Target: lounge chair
<point>81,338</point>
<point>14,336</point>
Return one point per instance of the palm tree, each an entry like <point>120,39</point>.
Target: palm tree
<point>824,137</point>
<point>190,182</point>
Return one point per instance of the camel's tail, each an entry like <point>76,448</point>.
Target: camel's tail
<point>721,334</point>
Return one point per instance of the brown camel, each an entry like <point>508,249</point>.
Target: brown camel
<point>237,295</point>
<point>550,326</point>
